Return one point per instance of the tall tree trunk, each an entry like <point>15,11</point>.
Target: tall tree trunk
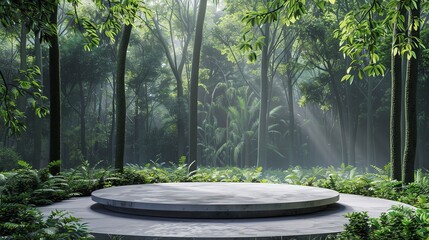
<point>55,98</point>
<point>410,102</point>
<point>112,136</point>
<point>349,110</point>
<point>136,129</point>
<point>177,69</point>
<point>369,126</point>
<point>23,46</point>
<point>395,105</point>
<point>37,133</point>
<point>181,133</point>
<point>96,148</point>
<point>193,93</point>
<point>291,122</point>
<point>146,107</point>
<point>344,152</point>
<point>263,128</point>
<point>120,97</point>
<point>287,82</point>
<point>21,144</point>
<point>83,145</point>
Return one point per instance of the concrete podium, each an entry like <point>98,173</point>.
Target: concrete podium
<point>215,200</point>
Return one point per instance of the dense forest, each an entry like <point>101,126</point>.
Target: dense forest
<point>222,83</point>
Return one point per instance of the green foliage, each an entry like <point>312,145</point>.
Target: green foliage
<point>22,181</point>
<point>8,159</point>
<point>10,91</point>
<point>127,177</point>
<point>241,107</point>
<point>358,226</point>
<point>85,179</point>
<point>363,31</point>
<point>285,12</point>
<point>52,190</point>
<point>61,225</point>
<point>38,187</point>
<point>361,34</point>
<point>18,221</point>
<point>398,223</point>
<point>156,172</point>
<point>228,174</point>
<point>316,91</point>
<point>28,186</point>
<point>116,13</point>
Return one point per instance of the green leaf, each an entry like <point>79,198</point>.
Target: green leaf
<point>252,57</point>
<point>395,51</point>
<point>360,74</point>
<point>349,69</point>
<point>321,5</point>
<point>346,77</point>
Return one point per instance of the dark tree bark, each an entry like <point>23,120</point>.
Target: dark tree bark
<point>21,144</point>
<point>37,133</point>
<point>112,135</point>
<point>395,107</point>
<point>82,116</point>
<point>263,109</point>
<point>55,98</point>
<point>369,125</point>
<point>344,152</point>
<point>193,94</point>
<point>292,143</point>
<point>136,150</point>
<point>410,103</point>
<point>121,112</point>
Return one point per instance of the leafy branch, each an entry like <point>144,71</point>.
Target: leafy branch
<point>10,93</point>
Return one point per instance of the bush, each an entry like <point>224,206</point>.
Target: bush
<point>8,159</point>
<point>398,223</point>
<point>18,221</point>
<point>27,186</point>
<point>85,179</point>
<point>22,181</point>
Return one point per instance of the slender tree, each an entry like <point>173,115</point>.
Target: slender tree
<point>395,101</point>
<point>193,94</point>
<point>37,133</point>
<point>121,111</point>
<point>55,98</point>
<point>263,110</point>
<point>21,148</point>
<point>289,77</point>
<point>180,11</point>
<point>410,97</point>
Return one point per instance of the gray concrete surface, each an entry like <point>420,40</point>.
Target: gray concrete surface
<point>104,223</point>
<point>215,200</point>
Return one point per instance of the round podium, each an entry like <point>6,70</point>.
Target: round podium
<point>215,200</point>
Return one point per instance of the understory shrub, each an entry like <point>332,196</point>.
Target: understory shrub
<point>28,186</point>
<point>85,179</point>
<point>398,223</point>
<point>18,221</point>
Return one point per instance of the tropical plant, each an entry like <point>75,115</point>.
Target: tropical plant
<point>85,178</point>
